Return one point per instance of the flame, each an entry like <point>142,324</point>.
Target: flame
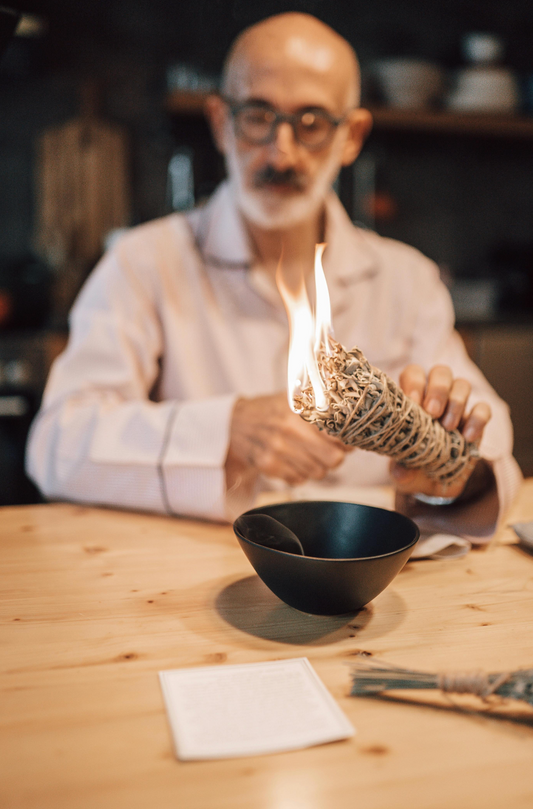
<point>322,307</point>
<point>308,332</point>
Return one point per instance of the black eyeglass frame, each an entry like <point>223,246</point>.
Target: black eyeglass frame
<point>281,117</point>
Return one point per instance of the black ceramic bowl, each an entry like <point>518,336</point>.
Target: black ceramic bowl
<point>352,552</point>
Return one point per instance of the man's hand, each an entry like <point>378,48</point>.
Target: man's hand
<point>444,398</point>
<point>266,436</point>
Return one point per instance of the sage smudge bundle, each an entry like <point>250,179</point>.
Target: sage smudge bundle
<point>371,677</point>
<point>366,409</point>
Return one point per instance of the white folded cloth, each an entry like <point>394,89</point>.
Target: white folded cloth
<point>440,546</point>
<point>524,531</point>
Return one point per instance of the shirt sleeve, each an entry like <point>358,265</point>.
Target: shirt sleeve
<point>435,341</point>
<point>98,438</point>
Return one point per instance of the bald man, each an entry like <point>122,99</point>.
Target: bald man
<point>171,394</point>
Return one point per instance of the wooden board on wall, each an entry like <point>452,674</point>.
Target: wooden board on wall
<point>505,355</point>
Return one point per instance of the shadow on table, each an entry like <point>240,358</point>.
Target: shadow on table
<point>251,607</point>
<point>504,711</point>
<point>526,550</point>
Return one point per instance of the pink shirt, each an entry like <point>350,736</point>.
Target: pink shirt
<point>176,321</point>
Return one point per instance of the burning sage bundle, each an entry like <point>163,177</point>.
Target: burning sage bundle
<point>366,409</point>
<point>341,392</point>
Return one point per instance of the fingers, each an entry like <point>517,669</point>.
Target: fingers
<point>282,455</point>
<point>455,408</point>
<point>445,398</point>
<point>270,463</point>
<point>302,447</point>
<point>438,389</point>
<point>476,421</point>
<point>435,393</point>
<point>266,436</point>
<point>413,382</point>
<point>318,444</point>
<point>415,481</point>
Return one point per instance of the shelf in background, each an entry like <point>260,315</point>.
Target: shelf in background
<point>186,102</point>
<point>437,122</point>
<point>453,123</point>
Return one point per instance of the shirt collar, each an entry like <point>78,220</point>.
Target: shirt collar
<point>223,241</point>
<point>348,257</point>
<point>220,232</point>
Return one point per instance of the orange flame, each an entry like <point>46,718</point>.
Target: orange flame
<point>308,332</point>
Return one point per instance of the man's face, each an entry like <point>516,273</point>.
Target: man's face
<point>282,183</point>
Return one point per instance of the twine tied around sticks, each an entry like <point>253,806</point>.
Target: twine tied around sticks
<point>369,410</point>
<point>373,677</point>
<point>471,682</point>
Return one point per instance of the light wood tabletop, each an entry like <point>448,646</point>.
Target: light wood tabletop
<point>95,602</point>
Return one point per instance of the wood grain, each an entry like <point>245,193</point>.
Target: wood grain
<point>95,602</point>
<point>82,194</point>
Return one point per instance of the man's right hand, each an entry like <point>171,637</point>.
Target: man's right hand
<point>266,436</point>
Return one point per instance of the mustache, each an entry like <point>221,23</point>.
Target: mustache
<point>268,175</point>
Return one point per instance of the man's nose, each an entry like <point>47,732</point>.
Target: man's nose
<point>284,147</point>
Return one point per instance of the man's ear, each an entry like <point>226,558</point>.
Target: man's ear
<point>360,124</point>
<point>216,113</point>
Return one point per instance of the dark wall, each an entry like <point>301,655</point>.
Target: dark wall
<point>451,197</point>
<point>202,30</point>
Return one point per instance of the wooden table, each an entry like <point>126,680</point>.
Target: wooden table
<point>95,602</point>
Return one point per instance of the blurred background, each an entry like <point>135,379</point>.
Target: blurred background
<point>101,128</point>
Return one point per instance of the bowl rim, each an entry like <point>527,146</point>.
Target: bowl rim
<point>261,510</point>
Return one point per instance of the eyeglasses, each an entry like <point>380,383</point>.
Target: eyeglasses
<point>257,122</point>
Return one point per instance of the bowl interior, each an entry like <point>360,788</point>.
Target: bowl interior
<point>333,530</point>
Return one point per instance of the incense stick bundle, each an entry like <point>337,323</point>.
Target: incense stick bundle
<point>372,677</point>
<point>366,409</point>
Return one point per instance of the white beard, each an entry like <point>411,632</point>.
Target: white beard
<point>270,211</point>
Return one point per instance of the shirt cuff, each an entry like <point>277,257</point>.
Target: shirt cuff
<point>193,457</point>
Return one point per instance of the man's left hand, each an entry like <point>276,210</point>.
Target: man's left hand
<point>444,398</point>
